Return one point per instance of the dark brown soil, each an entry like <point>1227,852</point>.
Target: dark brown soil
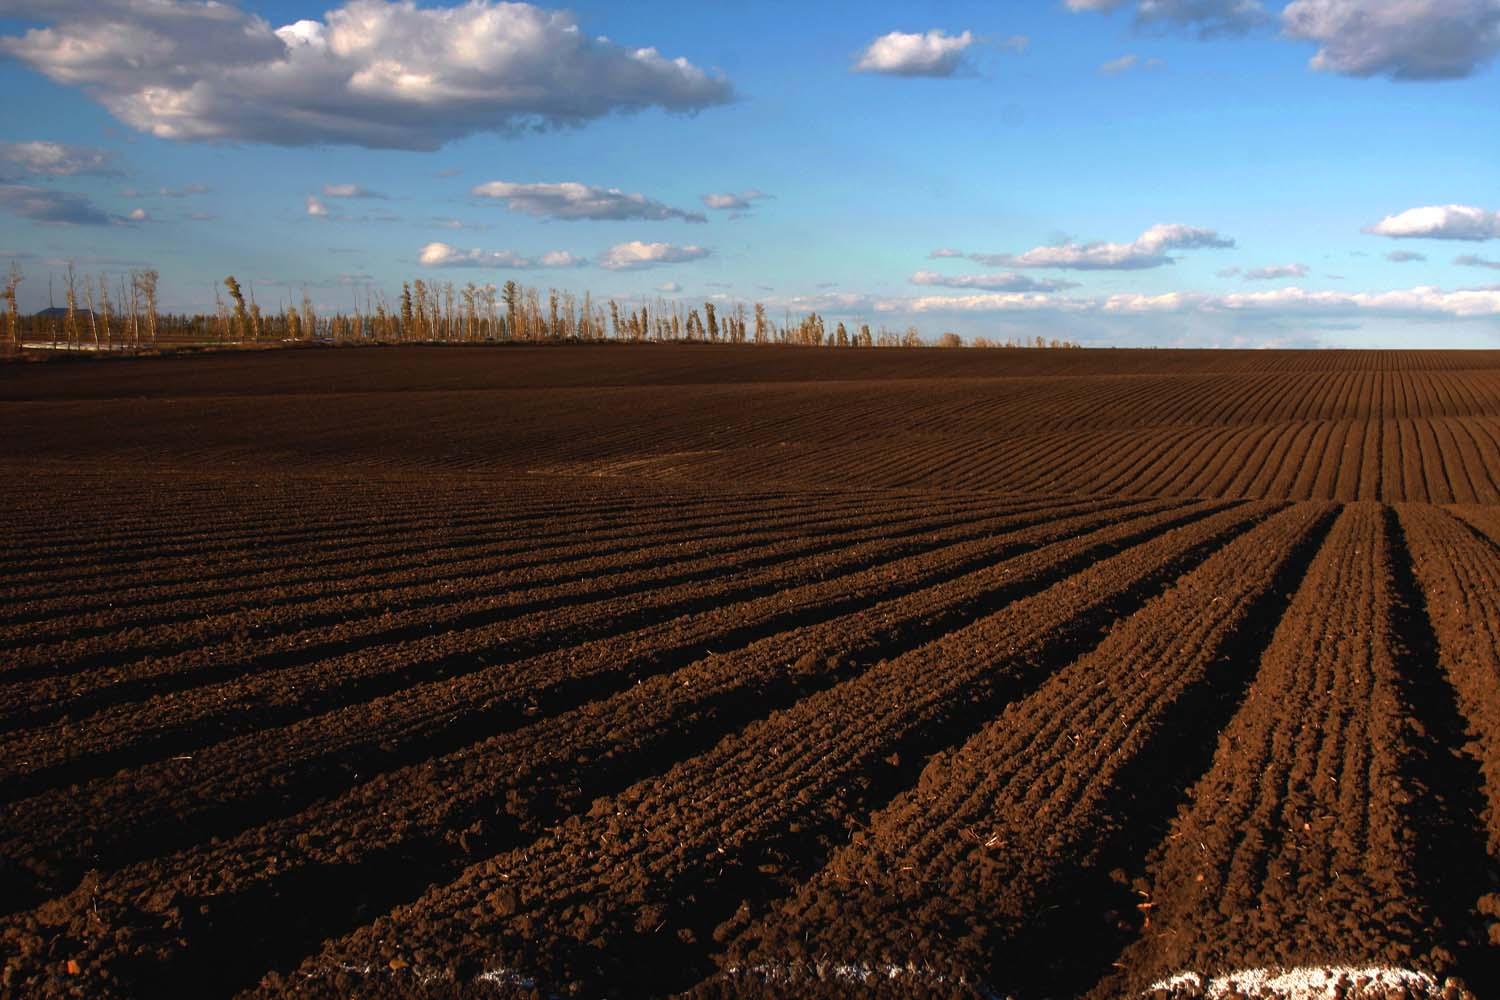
<point>751,673</point>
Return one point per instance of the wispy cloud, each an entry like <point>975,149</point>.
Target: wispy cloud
<point>55,159</point>
<point>570,200</point>
<point>187,191</point>
<point>1274,272</point>
<point>1208,18</point>
<point>51,207</point>
<point>1128,62</point>
<point>349,191</point>
<point>1004,282</point>
<point>1405,256</point>
<point>1148,250</point>
<point>1424,301</point>
<point>741,202</point>
<point>1472,260</point>
<point>452,223</point>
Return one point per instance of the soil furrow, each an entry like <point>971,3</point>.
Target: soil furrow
<point>993,872</point>
<point>641,863</point>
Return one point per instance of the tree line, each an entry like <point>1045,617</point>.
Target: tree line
<point>122,314</point>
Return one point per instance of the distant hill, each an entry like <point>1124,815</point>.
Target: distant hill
<point>59,312</point>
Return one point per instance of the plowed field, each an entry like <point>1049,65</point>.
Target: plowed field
<point>729,673</point>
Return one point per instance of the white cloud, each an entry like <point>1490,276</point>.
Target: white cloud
<point>1004,282</point>
<point>349,191</point>
<point>138,215</point>
<point>1401,39</point>
<point>50,207</point>
<point>378,73</point>
<point>1423,301</point>
<point>989,302</point>
<point>1128,62</point>
<point>443,255</point>
<point>187,191</point>
<point>734,202</point>
<point>944,253</point>
<point>1404,256</point>
<point>1273,272</point>
<point>316,208</point>
<point>1208,17</point>
<point>1147,251</point>
<point>935,53</point>
<point>669,287</point>
<point>635,255</point>
<point>1472,260</point>
<point>1440,222</point>
<point>451,223</point>
<point>571,200</point>
<point>55,159</point>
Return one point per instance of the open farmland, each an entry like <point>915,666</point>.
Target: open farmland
<point>746,672</point>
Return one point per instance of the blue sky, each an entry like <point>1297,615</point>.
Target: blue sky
<point>1216,172</point>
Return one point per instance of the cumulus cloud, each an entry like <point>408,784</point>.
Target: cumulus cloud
<point>1273,272</point>
<point>1209,18</point>
<point>316,208</point>
<point>55,208</point>
<point>349,191</point>
<point>1404,256</point>
<point>570,200</point>
<point>138,215</point>
<point>443,255</point>
<point>635,255</point>
<point>741,202</point>
<point>1004,282</point>
<point>1400,39</point>
<point>1146,251</point>
<point>55,159</point>
<point>377,73</point>
<point>935,53</point>
<point>1440,222</point>
<point>1472,260</point>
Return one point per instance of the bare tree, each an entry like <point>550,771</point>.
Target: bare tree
<point>241,315</point>
<point>309,317</point>
<point>12,314</point>
<point>70,327</point>
<point>106,312</point>
<point>145,282</point>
